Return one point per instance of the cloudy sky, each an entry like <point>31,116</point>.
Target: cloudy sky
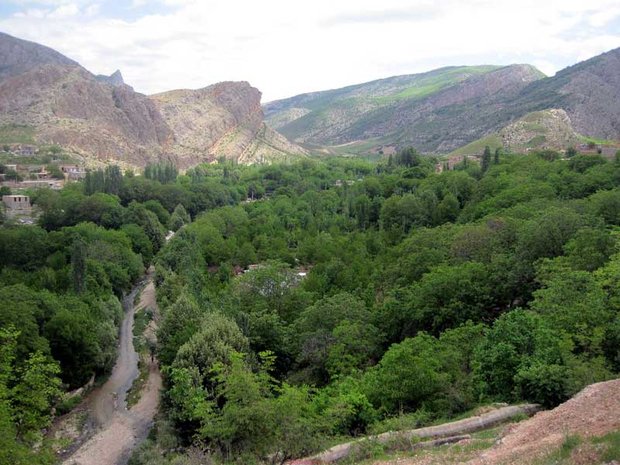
<point>285,47</point>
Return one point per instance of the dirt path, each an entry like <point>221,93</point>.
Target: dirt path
<point>121,429</point>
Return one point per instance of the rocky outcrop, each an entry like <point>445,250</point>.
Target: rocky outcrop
<point>222,120</point>
<point>102,118</point>
<point>115,79</point>
<point>541,129</point>
<point>67,106</point>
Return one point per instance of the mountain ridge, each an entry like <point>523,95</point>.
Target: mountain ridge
<point>104,120</point>
<point>442,118</point>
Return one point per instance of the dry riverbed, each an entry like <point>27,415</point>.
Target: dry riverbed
<point>112,430</point>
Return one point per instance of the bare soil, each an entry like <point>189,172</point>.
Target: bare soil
<point>593,412</point>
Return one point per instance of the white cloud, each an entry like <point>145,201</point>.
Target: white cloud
<point>64,11</point>
<point>285,47</point>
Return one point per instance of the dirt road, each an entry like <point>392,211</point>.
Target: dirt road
<point>120,430</point>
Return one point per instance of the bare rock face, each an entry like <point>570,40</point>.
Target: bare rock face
<point>222,120</point>
<point>69,107</point>
<point>594,93</point>
<point>103,118</point>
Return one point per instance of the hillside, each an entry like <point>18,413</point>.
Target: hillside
<point>357,100</point>
<point>537,130</point>
<point>105,120</point>
<point>414,109</point>
<point>224,119</point>
<point>446,109</point>
<point>580,431</point>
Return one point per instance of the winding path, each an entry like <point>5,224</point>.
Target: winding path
<point>120,430</point>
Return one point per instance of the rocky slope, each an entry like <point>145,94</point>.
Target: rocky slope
<point>542,129</point>
<point>446,109</point>
<point>426,110</point>
<point>116,78</point>
<point>589,92</point>
<point>222,120</point>
<point>576,432</point>
<point>103,119</point>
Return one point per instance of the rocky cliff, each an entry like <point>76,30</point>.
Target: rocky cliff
<point>222,120</point>
<point>102,118</point>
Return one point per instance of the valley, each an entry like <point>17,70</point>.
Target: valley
<point>416,270</point>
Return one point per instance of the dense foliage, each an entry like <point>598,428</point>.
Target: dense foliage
<point>305,302</point>
<point>378,290</point>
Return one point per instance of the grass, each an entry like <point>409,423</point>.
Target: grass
<point>133,394</point>
<point>446,454</point>
<point>16,134</point>
<point>536,141</point>
<point>477,147</point>
<point>428,85</point>
<point>42,158</point>
<point>594,140</point>
<point>67,404</point>
<point>611,444</point>
<point>141,320</point>
<point>598,450</point>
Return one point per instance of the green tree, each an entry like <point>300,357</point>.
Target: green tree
<point>496,155</point>
<point>408,376</point>
<point>78,265</point>
<point>486,159</point>
<point>33,396</point>
<point>523,358</point>
<point>113,179</point>
<point>178,218</point>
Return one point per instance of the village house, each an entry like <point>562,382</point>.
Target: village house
<point>40,183</point>
<point>17,203</point>
<point>73,172</point>
<point>24,150</point>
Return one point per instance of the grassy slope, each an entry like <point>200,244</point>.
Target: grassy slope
<point>16,134</point>
<point>371,95</point>
<point>477,147</point>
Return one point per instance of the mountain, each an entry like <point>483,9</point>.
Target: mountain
<point>221,119</point>
<point>551,128</point>
<point>104,120</point>
<point>449,108</point>
<point>414,109</point>
<point>18,56</point>
<point>589,92</point>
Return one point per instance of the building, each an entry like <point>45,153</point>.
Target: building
<point>24,150</point>
<point>17,203</point>
<point>40,183</point>
<point>73,172</point>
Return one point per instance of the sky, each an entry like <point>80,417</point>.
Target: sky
<point>287,47</point>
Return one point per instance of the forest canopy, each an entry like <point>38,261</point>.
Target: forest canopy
<point>320,299</point>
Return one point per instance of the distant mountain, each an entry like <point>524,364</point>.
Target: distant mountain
<point>18,56</point>
<point>589,92</point>
<point>448,108</point>
<point>103,119</point>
